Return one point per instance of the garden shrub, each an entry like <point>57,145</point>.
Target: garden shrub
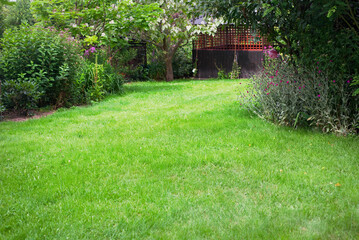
<point>21,95</point>
<point>43,66</point>
<point>157,70</point>
<point>182,63</point>
<point>293,96</point>
<point>40,57</point>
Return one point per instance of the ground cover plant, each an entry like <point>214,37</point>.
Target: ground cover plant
<point>175,160</point>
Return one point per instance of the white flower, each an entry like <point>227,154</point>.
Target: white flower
<point>103,34</point>
<point>131,18</point>
<point>74,25</point>
<point>112,22</point>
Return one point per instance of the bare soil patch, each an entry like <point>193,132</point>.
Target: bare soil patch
<point>20,117</point>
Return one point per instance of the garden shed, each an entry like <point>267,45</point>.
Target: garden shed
<point>213,53</point>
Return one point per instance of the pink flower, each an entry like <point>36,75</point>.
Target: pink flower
<point>287,81</point>
<point>330,60</point>
<point>319,71</point>
<point>272,53</point>
<point>280,81</point>
<point>300,87</point>
<point>348,81</point>
<point>277,84</point>
<point>319,95</point>
<point>276,72</point>
<point>333,81</point>
<point>265,90</point>
<point>268,93</point>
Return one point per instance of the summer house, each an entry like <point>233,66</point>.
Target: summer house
<point>231,43</point>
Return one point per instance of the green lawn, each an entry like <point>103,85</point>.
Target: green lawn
<point>174,160</point>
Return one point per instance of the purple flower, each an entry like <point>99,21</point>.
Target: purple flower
<point>319,95</point>
<point>93,49</point>
<point>348,81</point>
<point>87,53</point>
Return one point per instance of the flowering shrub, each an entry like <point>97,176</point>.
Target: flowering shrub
<point>295,96</point>
<point>43,57</point>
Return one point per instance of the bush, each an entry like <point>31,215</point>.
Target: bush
<point>45,58</point>
<point>21,95</point>
<point>295,96</point>
<point>182,63</point>
<point>157,70</point>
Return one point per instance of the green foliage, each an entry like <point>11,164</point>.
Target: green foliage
<point>108,20</point>
<point>222,74</point>
<point>44,57</point>
<point>95,80</point>
<point>6,2</point>
<point>19,13</point>
<point>157,70</point>
<point>236,70</point>
<point>2,22</point>
<point>294,96</point>
<point>356,83</point>
<point>182,62</point>
<point>21,94</point>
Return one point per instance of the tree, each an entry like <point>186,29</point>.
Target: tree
<point>108,21</point>
<point>173,28</point>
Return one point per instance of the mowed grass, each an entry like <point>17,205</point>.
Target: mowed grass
<point>174,160</point>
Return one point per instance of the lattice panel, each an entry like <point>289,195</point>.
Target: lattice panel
<point>230,38</point>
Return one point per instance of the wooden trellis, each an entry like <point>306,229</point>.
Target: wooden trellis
<point>230,38</point>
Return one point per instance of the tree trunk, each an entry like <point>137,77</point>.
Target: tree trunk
<point>169,69</point>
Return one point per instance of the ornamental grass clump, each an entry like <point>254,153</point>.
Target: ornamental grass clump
<point>296,96</point>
